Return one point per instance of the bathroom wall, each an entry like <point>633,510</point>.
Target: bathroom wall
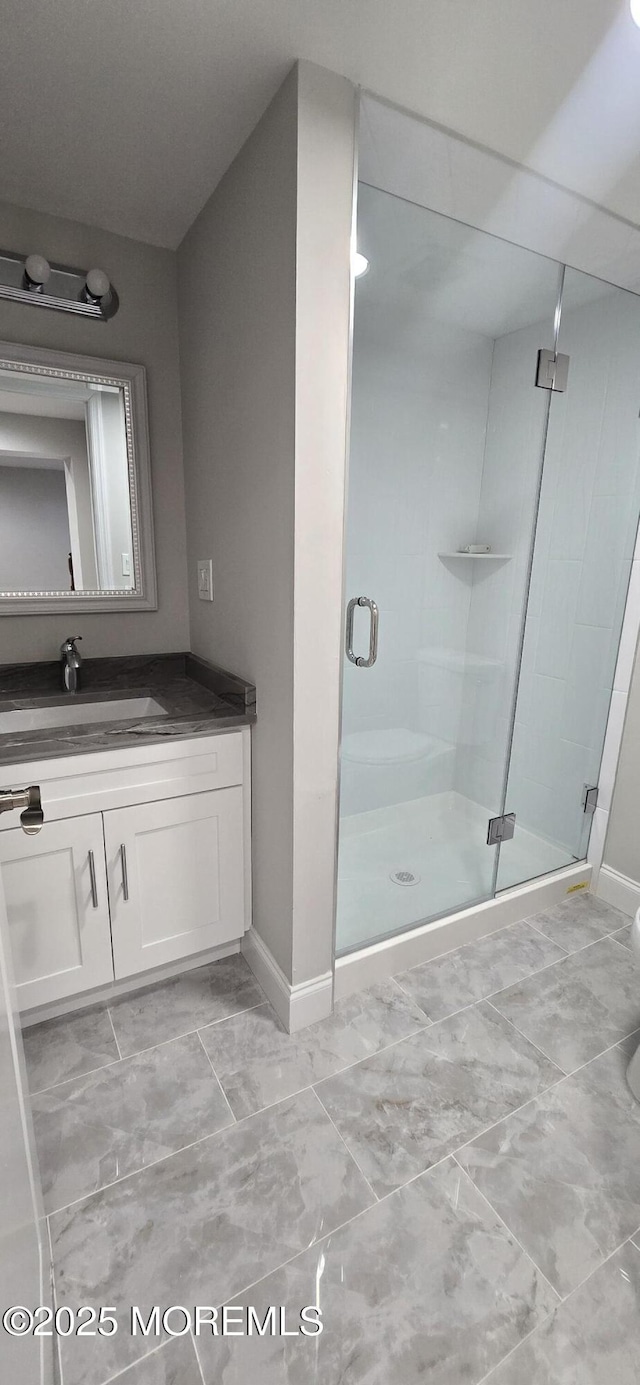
<point>22,562</point>
<point>264,316</point>
<point>143,331</point>
<point>622,845</point>
<point>63,438</point>
<point>237,342</point>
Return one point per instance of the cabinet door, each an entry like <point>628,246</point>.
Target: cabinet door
<point>176,877</point>
<point>56,891</point>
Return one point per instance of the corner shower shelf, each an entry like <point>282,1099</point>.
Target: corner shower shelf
<point>483,557</point>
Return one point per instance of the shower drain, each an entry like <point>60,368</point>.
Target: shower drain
<point>404,877</point>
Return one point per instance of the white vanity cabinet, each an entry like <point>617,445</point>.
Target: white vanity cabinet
<point>143,859</point>
<point>176,878</point>
<point>56,890</point>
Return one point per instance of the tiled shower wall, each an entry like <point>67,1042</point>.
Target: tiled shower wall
<point>415,470</point>
<point>584,546</point>
<point>435,463</point>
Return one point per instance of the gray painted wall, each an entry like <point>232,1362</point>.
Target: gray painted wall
<point>66,438</point>
<point>143,331</point>
<point>264,325</point>
<point>34,529</point>
<point>237,347</point>
<point>622,845</point>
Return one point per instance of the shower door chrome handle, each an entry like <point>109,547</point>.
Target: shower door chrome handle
<point>373,632</point>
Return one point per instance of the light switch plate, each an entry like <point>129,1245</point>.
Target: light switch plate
<point>205,579</point>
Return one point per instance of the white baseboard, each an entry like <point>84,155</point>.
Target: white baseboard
<point>619,890</point>
<point>295,1006</point>
<point>357,970</point>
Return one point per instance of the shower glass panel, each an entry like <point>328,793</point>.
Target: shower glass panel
<point>584,546</point>
<point>446,450</point>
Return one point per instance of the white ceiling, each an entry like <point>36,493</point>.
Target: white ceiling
<point>125,113</point>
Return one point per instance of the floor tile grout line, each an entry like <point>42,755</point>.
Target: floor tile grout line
<point>338,1072</point>
<point>527,1253</point>
<point>627,1240</point>
<point>547,939</point>
<point>573,951</point>
<point>528,920</point>
<point>290,1096</point>
<point>522,1035</point>
<point>312,1087</point>
<point>615,939</point>
<point>559,1305</point>
<point>138,1361</point>
<point>114,1032</point>
<point>123,1058</point>
<point>77,1077</point>
<point>552,1087</point>
<point>210,1062</point>
<point>349,1151</point>
<point>334,1230</point>
<point>486,1379</point>
<point>135,1173</point>
<point>236,1120</point>
<point>616,1044</point>
<point>197,1356</point>
<point>528,977</point>
<point>209,1025</point>
<point>494,932</point>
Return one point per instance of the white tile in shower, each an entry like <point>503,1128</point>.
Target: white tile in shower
<point>558,617</point>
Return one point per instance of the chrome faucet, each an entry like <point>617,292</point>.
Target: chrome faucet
<point>71,662</point>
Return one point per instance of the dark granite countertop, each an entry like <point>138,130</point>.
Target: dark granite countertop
<point>198,699</point>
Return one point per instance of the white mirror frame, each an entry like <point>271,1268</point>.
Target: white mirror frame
<point>133,382</point>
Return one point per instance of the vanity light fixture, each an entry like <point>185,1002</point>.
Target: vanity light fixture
<point>360,264</point>
<point>37,272</point>
<point>32,279</point>
<point>635,12</point>
<point>97,286</point>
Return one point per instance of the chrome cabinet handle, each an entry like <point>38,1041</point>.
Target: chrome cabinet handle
<point>92,877</point>
<point>125,877</point>
<point>373,632</point>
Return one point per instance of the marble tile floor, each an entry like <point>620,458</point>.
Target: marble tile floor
<point>447,1167</point>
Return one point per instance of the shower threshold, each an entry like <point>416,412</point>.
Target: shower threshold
<point>441,840</point>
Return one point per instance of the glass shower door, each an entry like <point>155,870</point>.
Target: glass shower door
<point>584,547</point>
<point>446,448</point>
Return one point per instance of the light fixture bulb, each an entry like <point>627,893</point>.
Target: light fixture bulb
<point>635,12</point>
<point>360,264</point>
<point>37,270</point>
<point>98,283</point>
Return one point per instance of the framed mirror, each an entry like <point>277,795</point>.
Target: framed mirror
<point>76,527</point>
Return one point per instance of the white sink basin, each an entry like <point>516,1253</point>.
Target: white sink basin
<point>74,713</point>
